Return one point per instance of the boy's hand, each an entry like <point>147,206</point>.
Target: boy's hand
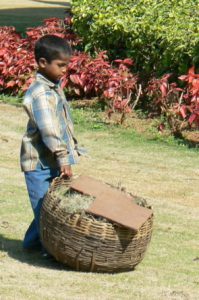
<point>66,171</point>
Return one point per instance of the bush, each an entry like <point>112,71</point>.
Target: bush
<point>180,106</point>
<point>86,76</point>
<point>115,86</point>
<point>160,35</point>
<point>17,64</point>
<point>112,82</point>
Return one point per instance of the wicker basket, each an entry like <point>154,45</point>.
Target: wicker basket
<point>85,243</point>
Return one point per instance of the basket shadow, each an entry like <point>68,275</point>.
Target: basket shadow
<point>13,248</point>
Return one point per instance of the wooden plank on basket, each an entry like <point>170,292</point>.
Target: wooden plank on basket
<point>111,203</point>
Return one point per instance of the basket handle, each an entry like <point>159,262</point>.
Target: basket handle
<point>61,180</point>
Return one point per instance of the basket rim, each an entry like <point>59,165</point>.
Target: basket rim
<point>85,215</point>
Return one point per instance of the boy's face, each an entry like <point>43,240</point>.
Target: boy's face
<point>55,69</point>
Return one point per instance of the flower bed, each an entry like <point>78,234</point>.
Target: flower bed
<point>114,83</point>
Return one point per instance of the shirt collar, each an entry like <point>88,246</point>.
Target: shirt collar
<point>43,79</point>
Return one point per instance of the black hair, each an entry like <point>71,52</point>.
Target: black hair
<point>51,47</point>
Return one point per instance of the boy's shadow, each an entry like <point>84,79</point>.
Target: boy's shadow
<point>14,249</point>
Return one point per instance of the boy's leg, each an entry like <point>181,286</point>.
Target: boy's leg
<point>37,182</point>
<point>31,239</point>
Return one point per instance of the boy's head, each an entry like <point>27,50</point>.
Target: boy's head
<point>52,54</point>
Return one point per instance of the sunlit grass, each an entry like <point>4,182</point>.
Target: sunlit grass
<point>165,174</point>
<point>30,13</point>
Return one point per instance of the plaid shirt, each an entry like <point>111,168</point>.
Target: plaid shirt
<point>49,138</point>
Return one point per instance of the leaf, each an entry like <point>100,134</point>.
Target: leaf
<point>3,51</point>
<point>124,103</point>
<point>109,93</point>
<point>191,71</point>
<point>64,82</point>
<point>163,89</point>
<point>183,111</point>
<point>77,91</point>
<point>192,118</point>
<point>183,77</point>
<point>128,61</point>
<point>119,61</point>
<point>10,83</point>
<point>161,127</point>
<point>75,79</point>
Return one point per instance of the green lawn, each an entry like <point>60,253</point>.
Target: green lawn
<point>164,173</point>
<point>30,13</point>
<point>158,169</point>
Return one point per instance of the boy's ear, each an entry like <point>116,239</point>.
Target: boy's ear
<point>42,62</point>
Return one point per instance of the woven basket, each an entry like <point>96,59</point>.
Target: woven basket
<point>86,243</point>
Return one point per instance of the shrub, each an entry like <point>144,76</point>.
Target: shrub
<point>17,62</point>
<point>86,76</point>
<point>115,86</point>
<point>112,82</point>
<point>180,106</point>
<point>190,109</point>
<point>17,65</point>
<point>165,101</point>
<point>161,35</point>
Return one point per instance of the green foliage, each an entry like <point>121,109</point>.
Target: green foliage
<point>160,35</point>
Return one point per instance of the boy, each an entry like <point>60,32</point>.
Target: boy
<point>49,147</point>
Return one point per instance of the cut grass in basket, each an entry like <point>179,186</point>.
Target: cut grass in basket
<point>73,202</point>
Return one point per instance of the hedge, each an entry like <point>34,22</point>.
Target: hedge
<point>160,35</point>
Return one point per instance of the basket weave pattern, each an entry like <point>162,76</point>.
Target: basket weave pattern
<point>85,243</point>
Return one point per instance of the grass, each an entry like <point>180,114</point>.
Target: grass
<point>30,13</point>
<point>71,201</point>
<point>153,167</point>
<point>148,165</point>
<point>165,173</point>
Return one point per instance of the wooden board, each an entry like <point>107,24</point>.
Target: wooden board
<point>111,203</point>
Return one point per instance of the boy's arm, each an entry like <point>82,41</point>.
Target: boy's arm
<point>43,112</point>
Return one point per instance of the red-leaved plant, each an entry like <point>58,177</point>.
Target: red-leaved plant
<point>87,76</point>
<point>180,106</point>
<point>56,26</point>
<point>16,61</point>
<point>113,83</point>
<point>166,101</point>
<point>17,64</point>
<point>190,108</point>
